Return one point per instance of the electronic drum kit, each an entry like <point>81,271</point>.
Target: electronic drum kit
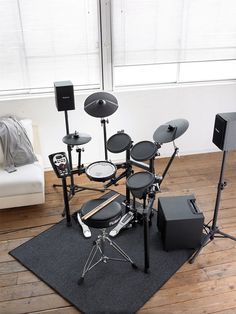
<point>102,105</point>
<point>142,185</point>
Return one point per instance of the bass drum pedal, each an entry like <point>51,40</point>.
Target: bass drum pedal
<point>122,223</point>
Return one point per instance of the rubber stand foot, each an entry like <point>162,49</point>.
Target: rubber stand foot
<point>191,261</point>
<point>134,266</point>
<point>81,280</point>
<point>69,224</point>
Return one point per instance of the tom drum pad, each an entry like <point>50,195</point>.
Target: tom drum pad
<point>139,183</point>
<point>144,150</point>
<point>119,142</point>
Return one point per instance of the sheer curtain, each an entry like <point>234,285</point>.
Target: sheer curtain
<point>42,41</point>
<point>146,31</point>
<point>156,32</point>
<point>209,30</point>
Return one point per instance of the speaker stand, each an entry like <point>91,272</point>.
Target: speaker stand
<point>73,188</point>
<point>213,230</point>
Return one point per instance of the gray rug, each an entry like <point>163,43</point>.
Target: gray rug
<point>57,257</point>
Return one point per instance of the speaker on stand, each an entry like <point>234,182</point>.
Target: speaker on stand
<point>224,138</point>
<point>64,99</point>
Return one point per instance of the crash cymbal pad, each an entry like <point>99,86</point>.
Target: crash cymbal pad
<point>76,138</point>
<point>171,130</point>
<point>100,105</point>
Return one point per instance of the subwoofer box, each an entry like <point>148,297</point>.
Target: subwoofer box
<point>64,95</point>
<point>180,222</point>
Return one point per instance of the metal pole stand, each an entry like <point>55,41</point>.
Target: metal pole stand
<point>147,216</point>
<point>213,230</point>
<point>103,123</point>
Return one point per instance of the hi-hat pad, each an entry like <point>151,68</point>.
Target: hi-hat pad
<point>171,130</point>
<point>100,105</point>
<point>76,138</point>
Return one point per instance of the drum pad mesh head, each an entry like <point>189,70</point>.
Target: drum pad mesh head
<point>143,151</point>
<point>138,183</point>
<point>119,143</point>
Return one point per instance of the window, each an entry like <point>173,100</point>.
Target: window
<point>42,41</point>
<point>160,41</point>
<point>114,43</point>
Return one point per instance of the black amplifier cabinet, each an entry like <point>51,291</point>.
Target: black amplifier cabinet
<point>224,135</point>
<point>64,95</point>
<point>180,222</point>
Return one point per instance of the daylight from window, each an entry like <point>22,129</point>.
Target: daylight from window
<point>139,42</point>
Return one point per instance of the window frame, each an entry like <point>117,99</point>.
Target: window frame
<point>107,67</point>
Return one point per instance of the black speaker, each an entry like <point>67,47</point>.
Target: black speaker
<point>180,222</point>
<point>224,135</point>
<point>64,95</point>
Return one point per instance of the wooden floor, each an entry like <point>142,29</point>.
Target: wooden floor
<point>207,286</point>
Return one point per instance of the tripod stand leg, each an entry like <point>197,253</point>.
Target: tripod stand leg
<point>205,241</point>
<point>208,238</point>
<point>225,235</point>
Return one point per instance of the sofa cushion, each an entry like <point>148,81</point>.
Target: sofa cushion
<point>26,180</point>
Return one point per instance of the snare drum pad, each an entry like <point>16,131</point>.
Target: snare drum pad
<point>101,171</point>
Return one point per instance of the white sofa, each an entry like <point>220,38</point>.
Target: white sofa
<point>26,185</point>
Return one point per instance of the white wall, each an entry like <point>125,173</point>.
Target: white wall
<point>139,114</point>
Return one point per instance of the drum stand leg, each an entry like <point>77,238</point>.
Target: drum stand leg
<point>99,247</point>
<point>66,202</point>
<point>147,213</point>
<point>145,219</point>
